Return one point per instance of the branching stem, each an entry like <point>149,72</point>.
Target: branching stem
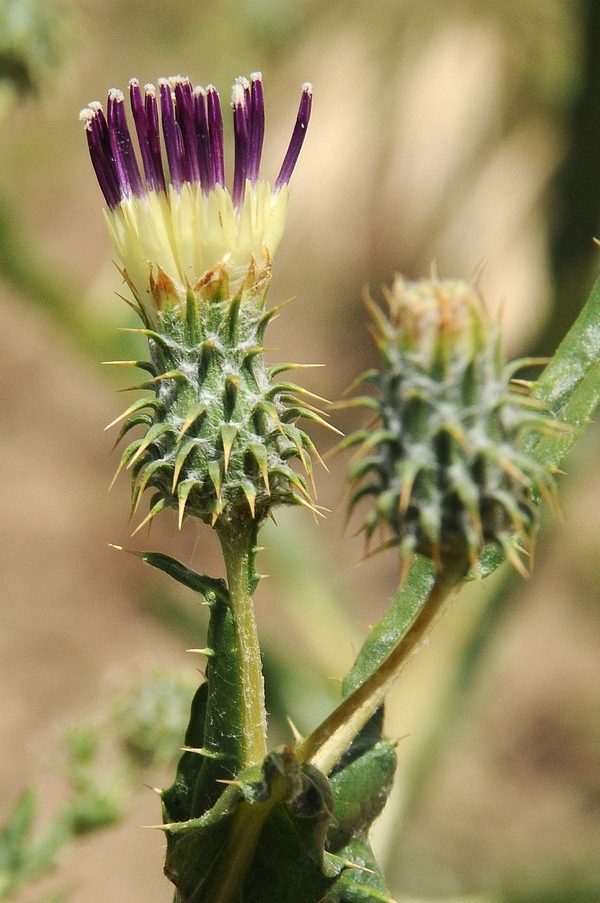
<point>328,743</point>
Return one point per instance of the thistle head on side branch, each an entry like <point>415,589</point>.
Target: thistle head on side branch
<point>444,461</point>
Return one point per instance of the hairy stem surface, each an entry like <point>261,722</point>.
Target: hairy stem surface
<point>238,546</point>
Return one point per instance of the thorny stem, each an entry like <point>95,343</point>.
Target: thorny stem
<point>238,546</point>
<point>328,742</point>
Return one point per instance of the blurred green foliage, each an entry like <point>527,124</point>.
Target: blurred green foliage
<point>33,34</point>
<point>143,727</point>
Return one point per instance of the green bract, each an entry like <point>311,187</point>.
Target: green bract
<point>219,433</point>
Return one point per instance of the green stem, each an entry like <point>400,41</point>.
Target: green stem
<point>328,743</point>
<point>238,543</point>
<point>238,853</point>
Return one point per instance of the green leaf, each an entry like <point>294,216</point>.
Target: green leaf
<point>361,784</point>
<point>214,734</point>
<point>263,840</point>
<point>212,588</point>
<point>178,798</point>
<point>570,384</point>
<point>405,607</point>
<point>222,740</point>
<point>362,884</point>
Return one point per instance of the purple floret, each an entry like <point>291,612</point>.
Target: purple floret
<point>96,131</point>
<point>146,124</point>
<point>297,140</point>
<point>184,111</point>
<point>241,137</point>
<point>128,171</point>
<point>257,127</point>
<point>172,135</point>
<point>215,129</point>
<point>192,128</point>
<point>154,137</point>
<point>203,139</point>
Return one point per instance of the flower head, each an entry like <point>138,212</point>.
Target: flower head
<point>177,227</point>
<point>219,431</point>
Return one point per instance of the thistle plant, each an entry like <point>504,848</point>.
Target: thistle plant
<point>456,462</point>
<point>219,432</point>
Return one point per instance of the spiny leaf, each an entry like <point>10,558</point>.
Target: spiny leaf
<point>151,334</point>
<point>140,419</point>
<point>276,369</point>
<point>231,318</point>
<point>231,388</point>
<point>297,412</point>
<point>292,477</point>
<point>156,508</point>
<point>126,458</point>
<point>364,883</point>
<point>269,408</point>
<point>141,365</point>
<point>263,840</point>
<point>249,490</point>
<point>214,472</point>
<point>211,588</point>
<point>192,323</point>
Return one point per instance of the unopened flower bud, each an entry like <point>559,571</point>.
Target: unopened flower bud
<point>445,464</point>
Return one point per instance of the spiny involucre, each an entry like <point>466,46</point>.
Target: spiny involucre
<point>219,432</point>
<point>445,462</point>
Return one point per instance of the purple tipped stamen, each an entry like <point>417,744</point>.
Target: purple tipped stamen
<point>184,111</point>
<point>240,131</point>
<point>101,161</point>
<point>297,139</point>
<point>128,171</point>
<point>215,129</point>
<point>257,127</point>
<point>172,135</point>
<point>151,108</point>
<point>147,131</point>
<point>203,139</point>
<point>192,126</point>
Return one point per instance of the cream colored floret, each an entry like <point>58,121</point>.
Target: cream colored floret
<point>188,233</point>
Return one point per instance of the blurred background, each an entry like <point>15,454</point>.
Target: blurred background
<point>460,132</point>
